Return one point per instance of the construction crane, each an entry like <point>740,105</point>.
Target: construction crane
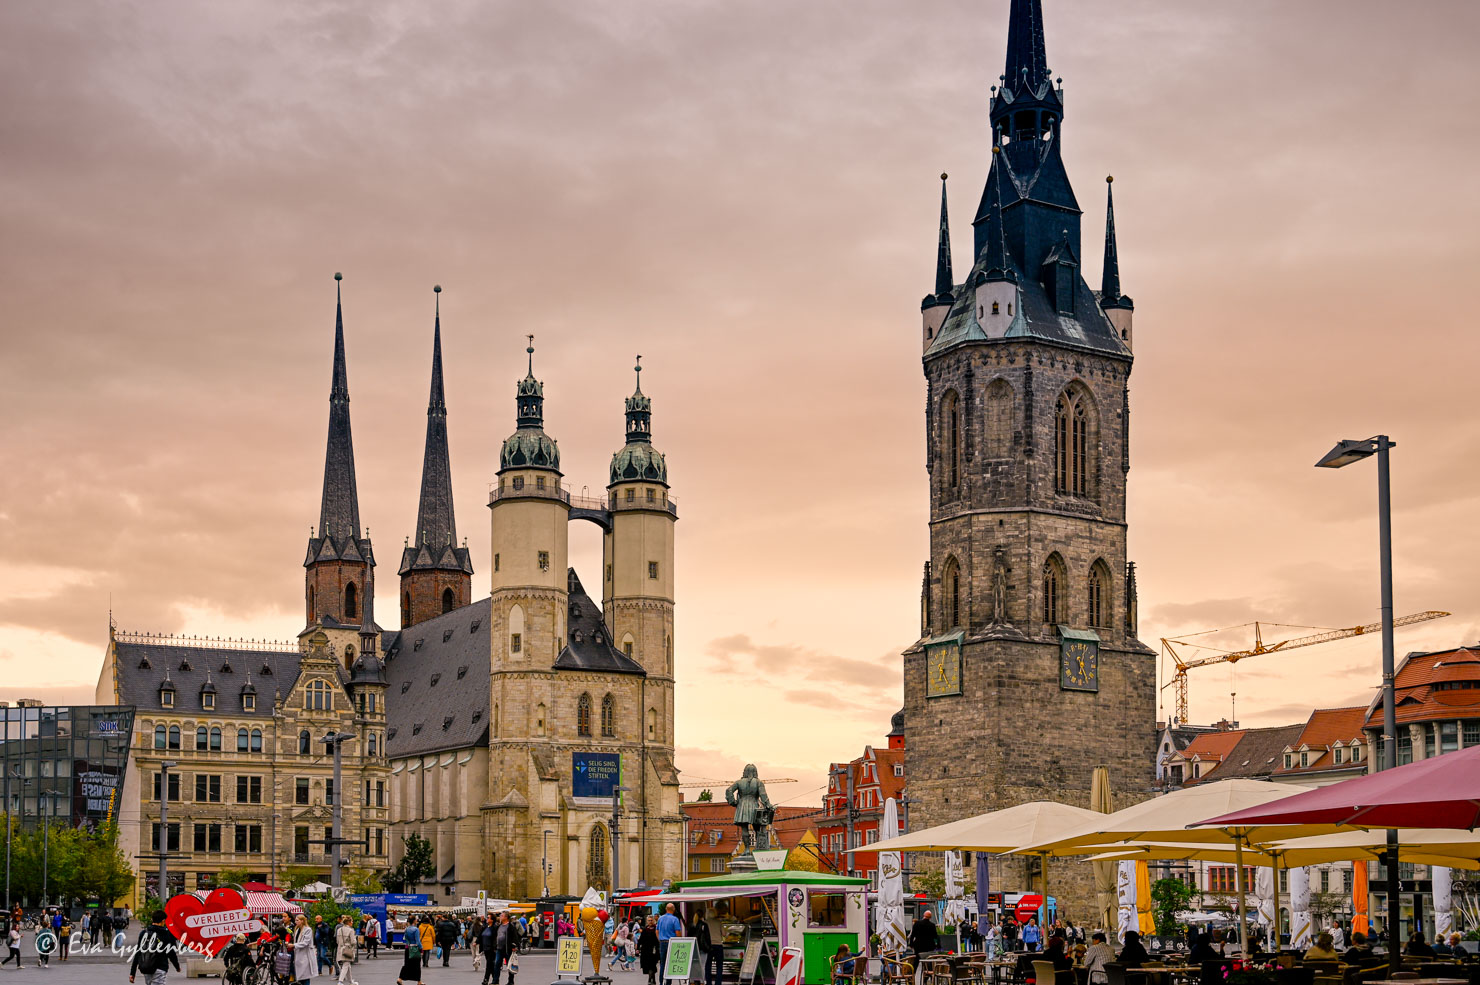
<point>700,781</point>
<point>1179,679</point>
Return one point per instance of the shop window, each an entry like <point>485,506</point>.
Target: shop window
<point>827,909</point>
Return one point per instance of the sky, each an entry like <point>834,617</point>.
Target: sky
<point>746,194</point>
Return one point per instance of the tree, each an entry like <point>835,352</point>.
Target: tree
<point>705,796</point>
<point>1169,897</point>
<point>232,877</point>
<point>416,866</point>
<point>298,876</point>
<point>103,871</point>
<point>358,879</point>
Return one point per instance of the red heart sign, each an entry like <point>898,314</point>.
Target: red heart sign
<point>207,925</point>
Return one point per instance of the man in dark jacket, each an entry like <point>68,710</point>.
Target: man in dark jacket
<point>155,953</point>
<point>923,937</point>
<point>323,942</point>
<point>446,937</point>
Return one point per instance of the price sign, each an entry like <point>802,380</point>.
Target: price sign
<point>751,961</point>
<point>568,956</point>
<point>680,958</point>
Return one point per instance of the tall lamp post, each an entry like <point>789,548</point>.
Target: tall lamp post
<point>1345,453</point>
<point>10,826</point>
<point>164,827</point>
<point>545,865</point>
<point>616,836</point>
<point>46,822</point>
<point>334,740</point>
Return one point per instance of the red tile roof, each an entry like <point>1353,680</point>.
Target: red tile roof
<point>707,818</point>
<point>1325,728</point>
<point>1212,745</point>
<point>1433,686</point>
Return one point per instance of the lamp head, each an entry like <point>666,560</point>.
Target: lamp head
<point>1346,452</point>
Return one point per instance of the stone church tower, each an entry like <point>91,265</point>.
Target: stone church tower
<point>339,568</point>
<point>1028,673</point>
<point>436,573</point>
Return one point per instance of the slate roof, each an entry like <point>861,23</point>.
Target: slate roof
<point>339,513</point>
<point>1035,315</point>
<point>587,645</point>
<point>438,670</point>
<point>187,667</point>
<point>1259,752</point>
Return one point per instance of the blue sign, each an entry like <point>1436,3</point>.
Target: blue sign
<point>595,774</point>
<point>393,900</point>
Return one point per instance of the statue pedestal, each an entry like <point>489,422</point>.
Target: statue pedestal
<point>743,863</point>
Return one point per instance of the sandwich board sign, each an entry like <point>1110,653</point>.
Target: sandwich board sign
<point>680,958</point>
<point>751,961</point>
<point>568,957</point>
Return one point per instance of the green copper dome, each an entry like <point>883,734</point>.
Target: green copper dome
<point>529,448</point>
<point>639,460</point>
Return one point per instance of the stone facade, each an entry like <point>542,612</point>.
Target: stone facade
<point>1027,453</point>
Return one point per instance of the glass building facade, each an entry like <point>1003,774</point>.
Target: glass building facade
<point>64,762</point>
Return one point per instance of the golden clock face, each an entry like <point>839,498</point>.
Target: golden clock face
<point>1079,665</point>
<point>943,670</point>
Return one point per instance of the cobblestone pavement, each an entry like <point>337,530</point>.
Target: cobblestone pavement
<point>535,968</point>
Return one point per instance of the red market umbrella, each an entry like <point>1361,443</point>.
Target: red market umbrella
<point>1442,792</point>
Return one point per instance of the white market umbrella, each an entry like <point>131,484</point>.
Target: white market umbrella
<point>994,832</point>
<point>1167,818</point>
<point>889,916</point>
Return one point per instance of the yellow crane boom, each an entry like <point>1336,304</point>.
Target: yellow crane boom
<point>1179,679</point>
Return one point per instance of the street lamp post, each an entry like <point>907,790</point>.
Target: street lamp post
<point>164,827</point>
<point>545,865</point>
<point>1345,453</point>
<point>9,827</point>
<point>334,740</point>
<point>616,834</point>
<point>50,815</point>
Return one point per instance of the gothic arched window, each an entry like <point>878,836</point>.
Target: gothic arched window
<point>349,600</point>
<point>202,736</point>
<point>256,740</point>
<point>998,437</point>
<point>950,419</point>
<point>1053,591</point>
<point>598,874</point>
<point>174,736</point>
<point>583,715</point>
<point>1071,438</point>
<point>1099,595</point>
<point>312,615</point>
<point>241,740</point>
<point>608,716</point>
<point>159,736</point>
<point>305,743</point>
<point>447,600</point>
<point>950,594</point>
<point>215,739</point>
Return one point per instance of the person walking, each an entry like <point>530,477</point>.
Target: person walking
<point>323,942</point>
<point>371,931</point>
<point>411,963</point>
<point>428,936</point>
<point>157,949</point>
<point>305,950</point>
<point>498,945</point>
<point>669,927</point>
<point>649,951</point>
<point>699,930</point>
<point>446,931</point>
<point>1032,934</point>
<point>345,948</point>
<point>13,941</point>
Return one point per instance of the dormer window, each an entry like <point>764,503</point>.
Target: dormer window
<point>167,695</point>
<point>417,645</point>
<point>462,672</point>
<point>185,665</point>
<point>435,679</point>
<point>208,701</point>
<point>249,702</point>
<point>446,635</point>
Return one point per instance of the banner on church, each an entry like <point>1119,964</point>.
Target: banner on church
<point>595,774</point>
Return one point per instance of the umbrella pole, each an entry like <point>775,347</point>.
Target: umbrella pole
<point>1238,882</point>
<point>1278,858</point>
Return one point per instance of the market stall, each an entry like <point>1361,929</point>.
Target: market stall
<point>764,911</point>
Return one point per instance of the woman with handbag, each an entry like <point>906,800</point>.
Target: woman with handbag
<point>345,948</point>
<point>305,954</point>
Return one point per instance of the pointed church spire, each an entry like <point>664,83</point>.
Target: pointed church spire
<point>435,524</point>
<point>1110,296</point>
<point>339,512</point>
<point>1027,60</point>
<point>945,282</point>
<point>995,265</point>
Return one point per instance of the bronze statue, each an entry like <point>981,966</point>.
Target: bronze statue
<point>753,810</point>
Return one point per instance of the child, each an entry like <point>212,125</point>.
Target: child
<point>411,964</point>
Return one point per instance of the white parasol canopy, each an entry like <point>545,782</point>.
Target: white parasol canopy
<point>995,831</point>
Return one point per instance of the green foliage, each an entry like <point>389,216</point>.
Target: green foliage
<point>705,796</point>
<point>1168,898</point>
<point>416,866</point>
<point>69,863</point>
<point>232,877</point>
<point>298,876</point>
<point>358,879</point>
<point>931,882</point>
<point>331,911</point>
